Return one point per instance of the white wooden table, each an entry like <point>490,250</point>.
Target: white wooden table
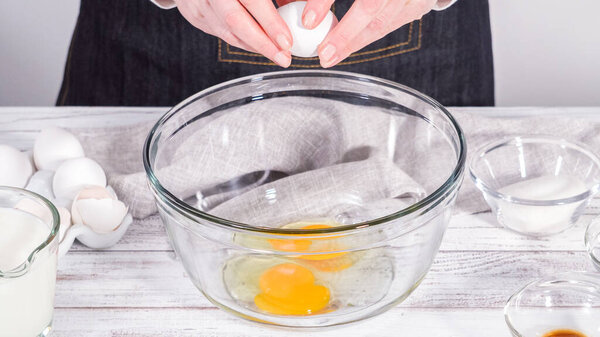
<point>137,288</point>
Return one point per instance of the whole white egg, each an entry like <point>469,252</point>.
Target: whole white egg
<point>15,167</point>
<point>306,41</point>
<point>41,183</point>
<point>75,174</point>
<point>53,146</point>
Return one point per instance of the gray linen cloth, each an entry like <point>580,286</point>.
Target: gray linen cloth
<point>332,152</point>
<point>330,190</point>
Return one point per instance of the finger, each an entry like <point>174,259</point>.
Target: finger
<point>194,15</point>
<point>265,13</point>
<point>392,17</point>
<point>418,8</point>
<point>368,36</point>
<point>239,22</point>
<point>228,37</point>
<point>314,12</point>
<point>200,17</point>
<point>337,42</point>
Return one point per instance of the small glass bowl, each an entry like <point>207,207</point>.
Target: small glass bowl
<point>536,185</point>
<point>566,301</point>
<point>592,241</point>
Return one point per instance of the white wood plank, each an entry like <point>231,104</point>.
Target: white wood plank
<point>478,232</point>
<point>516,112</point>
<point>92,322</point>
<point>482,232</point>
<point>156,279</point>
<point>142,235</point>
<point>33,113</point>
<point>20,125</point>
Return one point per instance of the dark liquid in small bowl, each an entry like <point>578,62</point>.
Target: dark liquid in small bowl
<point>564,333</point>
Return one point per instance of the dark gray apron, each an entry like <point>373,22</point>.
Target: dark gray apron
<point>130,52</point>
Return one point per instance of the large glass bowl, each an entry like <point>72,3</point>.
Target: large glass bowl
<point>306,198</point>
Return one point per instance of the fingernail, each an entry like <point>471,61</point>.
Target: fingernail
<point>283,59</point>
<point>283,42</point>
<point>327,52</point>
<point>330,63</point>
<point>309,19</point>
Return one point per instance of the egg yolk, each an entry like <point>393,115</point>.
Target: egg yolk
<point>290,289</point>
<point>324,262</point>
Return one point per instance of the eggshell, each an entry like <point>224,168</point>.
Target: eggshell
<point>75,174</point>
<point>99,209</point>
<point>53,146</point>
<point>95,192</point>
<point>41,183</point>
<point>65,222</point>
<point>15,167</point>
<point>306,41</point>
<point>33,207</point>
<point>62,202</point>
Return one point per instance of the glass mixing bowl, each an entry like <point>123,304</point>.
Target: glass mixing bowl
<point>306,198</point>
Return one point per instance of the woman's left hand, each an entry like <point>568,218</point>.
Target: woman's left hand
<point>365,22</point>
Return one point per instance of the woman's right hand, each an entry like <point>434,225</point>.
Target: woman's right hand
<point>253,25</point>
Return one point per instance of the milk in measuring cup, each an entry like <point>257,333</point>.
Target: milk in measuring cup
<point>26,297</point>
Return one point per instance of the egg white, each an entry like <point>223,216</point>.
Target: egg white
<point>364,283</point>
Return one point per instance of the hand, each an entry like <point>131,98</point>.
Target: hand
<point>253,25</point>
<point>366,21</point>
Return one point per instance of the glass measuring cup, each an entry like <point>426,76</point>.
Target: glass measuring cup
<point>28,256</point>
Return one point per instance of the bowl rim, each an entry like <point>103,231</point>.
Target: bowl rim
<point>570,277</point>
<point>537,139</point>
<point>186,210</point>
<point>23,268</point>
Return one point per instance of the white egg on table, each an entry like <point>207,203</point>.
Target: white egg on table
<point>15,167</point>
<point>41,183</point>
<point>98,208</point>
<point>306,41</point>
<point>75,174</point>
<point>29,154</point>
<point>53,146</point>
